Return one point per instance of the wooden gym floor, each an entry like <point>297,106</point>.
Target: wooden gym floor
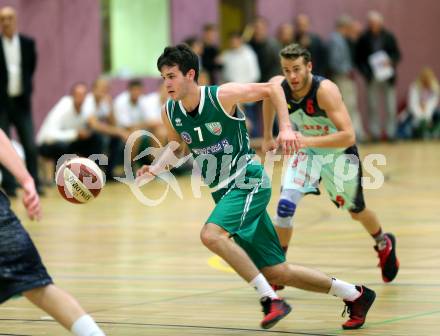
<point>143,271</point>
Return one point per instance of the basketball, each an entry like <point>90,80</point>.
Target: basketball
<point>79,180</point>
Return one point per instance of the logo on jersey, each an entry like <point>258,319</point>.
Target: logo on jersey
<point>186,137</point>
<point>178,121</point>
<point>214,127</point>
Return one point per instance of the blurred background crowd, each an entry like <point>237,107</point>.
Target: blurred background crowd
<point>79,76</point>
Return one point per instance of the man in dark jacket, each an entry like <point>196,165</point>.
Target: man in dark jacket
<point>377,55</point>
<point>18,60</point>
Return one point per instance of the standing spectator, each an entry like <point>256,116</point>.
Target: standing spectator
<point>64,131</point>
<point>312,42</point>
<point>210,54</point>
<point>377,56</point>
<point>342,71</point>
<point>18,60</point>
<point>354,32</point>
<point>285,34</point>
<point>266,49</point>
<point>240,65</point>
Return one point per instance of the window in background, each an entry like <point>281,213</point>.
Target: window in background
<point>134,35</point>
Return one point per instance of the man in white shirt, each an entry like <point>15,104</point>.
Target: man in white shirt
<point>240,63</point>
<point>18,61</point>
<point>135,111</point>
<point>98,112</point>
<point>65,131</point>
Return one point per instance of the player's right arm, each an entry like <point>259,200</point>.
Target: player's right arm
<point>231,94</point>
<point>12,162</point>
<point>170,153</point>
<point>268,119</point>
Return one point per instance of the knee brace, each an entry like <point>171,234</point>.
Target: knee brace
<point>285,212</point>
<point>286,208</point>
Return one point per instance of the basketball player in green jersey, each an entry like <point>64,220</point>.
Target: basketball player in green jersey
<point>209,121</point>
<point>316,107</point>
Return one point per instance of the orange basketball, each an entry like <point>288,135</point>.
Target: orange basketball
<point>79,180</point>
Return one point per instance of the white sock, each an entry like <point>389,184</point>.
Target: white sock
<point>262,286</point>
<point>86,326</point>
<point>344,290</point>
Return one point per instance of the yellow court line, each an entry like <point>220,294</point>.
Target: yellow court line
<point>217,263</point>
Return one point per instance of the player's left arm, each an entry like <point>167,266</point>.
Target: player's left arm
<point>330,100</point>
<point>12,162</point>
<point>231,94</point>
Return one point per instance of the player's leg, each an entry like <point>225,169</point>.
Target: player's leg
<point>358,299</point>
<point>217,240</point>
<point>65,309</point>
<point>237,214</point>
<point>296,183</point>
<point>347,193</point>
<point>385,243</point>
<point>283,220</point>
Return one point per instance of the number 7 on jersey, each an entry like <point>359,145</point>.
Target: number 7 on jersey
<point>199,132</point>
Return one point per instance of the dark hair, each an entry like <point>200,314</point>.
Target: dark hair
<point>132,83</point>
<point>182,56</point>
<point>294,51</point>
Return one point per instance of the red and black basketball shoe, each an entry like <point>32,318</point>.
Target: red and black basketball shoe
<point>274,310</point>
<point>388,261</point>
<point>358,309</point>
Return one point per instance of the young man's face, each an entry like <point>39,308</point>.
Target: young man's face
<point>296,72</point>
<point>176,83</point>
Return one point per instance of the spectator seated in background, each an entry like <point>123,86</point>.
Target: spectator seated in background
<point>65,131</point>
<point>98,111</point>
<point>134,111</point>
<point>422,116</point>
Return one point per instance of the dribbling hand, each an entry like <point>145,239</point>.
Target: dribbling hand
<point>145,174</point>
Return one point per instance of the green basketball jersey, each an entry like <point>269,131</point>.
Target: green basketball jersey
<point>308,116</point>
<point>218,141</point>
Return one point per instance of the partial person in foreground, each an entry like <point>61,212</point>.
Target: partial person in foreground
<point>325,131</point>
<point>210,122</point>
<point>21,269</point>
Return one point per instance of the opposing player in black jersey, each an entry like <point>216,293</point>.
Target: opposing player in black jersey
<point>327,139</point>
